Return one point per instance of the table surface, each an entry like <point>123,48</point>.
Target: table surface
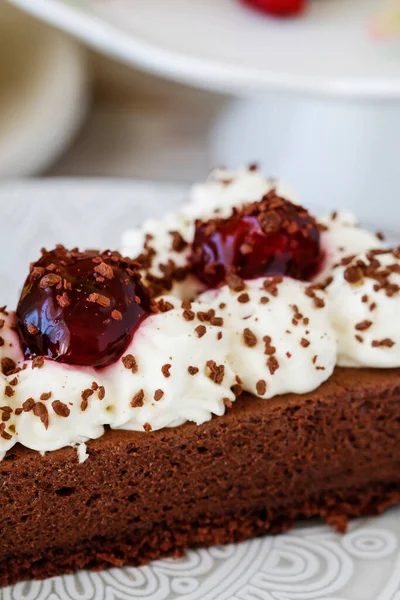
<point>141,126</point>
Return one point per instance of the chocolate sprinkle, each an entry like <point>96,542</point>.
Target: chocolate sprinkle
<point>363,325</point>
<point>244,298</point>
<point>137,400</point>
<point>40,410</point>
<point>158,394</point>
<point>60,408</point>
<point>165,370</point>
<point>261,387</point>
<point>200,331</point>
<point>272,364</point>
<point>99,299</point>
<point>49,281</point>
<point>385,343</point>
<point>216,372</point>
<point>235,283</point>
<point>249,338</point>
<point>28,404</point>
<point>104,270</point>
<point>38,362</point>
<point>129,362</point>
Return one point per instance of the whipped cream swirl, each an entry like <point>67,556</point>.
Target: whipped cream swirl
<point>364,306</point>
<point>282,338</point>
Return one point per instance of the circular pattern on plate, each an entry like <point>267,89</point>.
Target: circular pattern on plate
<point>309,563</point>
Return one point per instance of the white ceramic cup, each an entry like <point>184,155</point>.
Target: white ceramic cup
<point>43,92</point>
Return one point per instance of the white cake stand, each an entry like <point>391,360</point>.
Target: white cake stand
<point>315,100</point>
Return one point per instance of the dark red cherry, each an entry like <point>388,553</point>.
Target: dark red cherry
<point>271,237</point>
<point>80,308</point>
<point>280,8</point>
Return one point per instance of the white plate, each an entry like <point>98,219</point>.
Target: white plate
<point>221,45</point>
<point>309,563</point>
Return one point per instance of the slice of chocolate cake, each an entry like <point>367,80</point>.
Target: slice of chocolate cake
<point>238,369</point>
<point>332,453</point>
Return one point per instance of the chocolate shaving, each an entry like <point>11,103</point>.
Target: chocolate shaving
<point>164,305</point>
<point>249,338</point>
<point>188,315</point>
<point>28,405</point>
<point>99,299</point>
<point>3,433</point>
<point>60,408</point>
<point>353,275</point>
<point>158,394</point>
<point>385,343</point>
<point>261,387</point>
<point>363,325</point>
<point>272,364</point>
<point>129,362</point>
<point>178,242</point>
<point>104,270</point>
<point>243,298</point>
<point>50,280</point>
<point>165,370</point>
<point>40,410</point>
<point>138,399</point>
<point>9,392</point>
<point>85,396</point>
<point>200,331</point>
<point>235,283</point>
<point>216,372</point>
<point>216,321</point>
<point>63,300</point>
<point>38,362</point>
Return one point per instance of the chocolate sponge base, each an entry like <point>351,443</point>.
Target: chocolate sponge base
<point>162,541</point>
<point>332,453</point>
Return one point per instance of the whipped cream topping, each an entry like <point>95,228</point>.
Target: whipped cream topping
<point>177,368</point>
<point>160,234</point>
<point>188,362</point>
<point>282,338</point>
<point>343,237</point>
<point>225,190</point>
<point>364,305</point>
<point>7,420</point>
<point>61,405</point>
<point>167,245</point>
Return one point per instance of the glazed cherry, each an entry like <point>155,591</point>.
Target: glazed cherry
<point>280,8</point>
<point>271,237</point>
<point>80,308</point>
